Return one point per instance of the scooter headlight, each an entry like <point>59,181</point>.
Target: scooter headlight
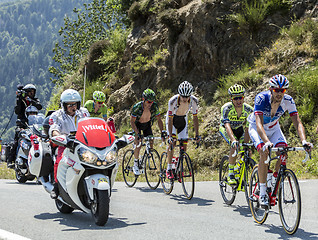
<point>111,157</point>
<point>87,156</point>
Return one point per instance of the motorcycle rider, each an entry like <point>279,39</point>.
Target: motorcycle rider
<point>25,98</point>
<point>65,121</point>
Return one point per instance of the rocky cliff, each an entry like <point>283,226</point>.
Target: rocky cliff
<point>197,41</point>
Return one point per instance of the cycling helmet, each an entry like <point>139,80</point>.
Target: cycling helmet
<point>148,94</point>
<point>99,96</point>
<point>279,81</point>
<point>31,110</point>
<point>185,89</point>
<point>70,95</point>
<point>236,89</point>
<point>29,87</point>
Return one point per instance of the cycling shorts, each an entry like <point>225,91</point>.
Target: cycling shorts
<point>275,136</point>
<point>238,134</point>
<point>180,126</point>
<point>145,128</point>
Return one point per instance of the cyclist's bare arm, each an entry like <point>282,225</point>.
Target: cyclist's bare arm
<point>246,135</point>
<point>133,125</point>
<point>299,127</point>
<point>170,123</point>
<point>160,123</point>
<point>196,124</point>
<point>229,131</point>
<point>260,128</point>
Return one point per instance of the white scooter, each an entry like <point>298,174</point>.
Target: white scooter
<point>88,168</point>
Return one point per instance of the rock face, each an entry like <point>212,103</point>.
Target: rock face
<point>194,41</point>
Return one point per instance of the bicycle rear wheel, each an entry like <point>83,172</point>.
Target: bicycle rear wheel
<point>258,212</point>
<point>228,193</point>
<point>152,169</point>
<point>289,202</point>
<point>166,183</point>
<point>127,168</point>
<point>187,176</point>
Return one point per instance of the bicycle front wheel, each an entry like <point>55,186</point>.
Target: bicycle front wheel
<point>187,176</point>
<point>228,193</point>
<point>166,183</point>
<point>152,169</point>
<point>258,212</point>
<point>248,167</point>
<point>289,202</point>
<point>127,168</point>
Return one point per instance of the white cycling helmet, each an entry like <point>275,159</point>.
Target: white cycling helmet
<point>185,89</point>
<point>279,81</point>
<point>70,95</point>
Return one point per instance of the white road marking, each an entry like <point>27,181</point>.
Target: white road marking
<point>5,235</point>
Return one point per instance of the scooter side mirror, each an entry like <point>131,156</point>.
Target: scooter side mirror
<point>124,141</point>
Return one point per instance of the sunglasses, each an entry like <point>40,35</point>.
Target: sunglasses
<point>72,105</point>
<point>237,98</point>
<point>149,101</point>
<point>279,90</point>
<point>100,102</point>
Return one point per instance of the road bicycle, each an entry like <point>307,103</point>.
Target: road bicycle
<point>148,164</point>
<point>285,191</point>
<point>245,166</point>
<point>182,171</point>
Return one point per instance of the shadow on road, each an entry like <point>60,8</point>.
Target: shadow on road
<point>82,221</point>
<point>279,230</point>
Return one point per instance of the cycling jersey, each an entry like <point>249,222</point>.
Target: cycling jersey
<point>90,106</point>
<point>138,109</point>
<point>263,107</point>
<point>180,123</point>
<point>174,104</point>
<point>229,115</point>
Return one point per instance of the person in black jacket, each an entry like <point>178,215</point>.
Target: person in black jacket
<point>25,98</point>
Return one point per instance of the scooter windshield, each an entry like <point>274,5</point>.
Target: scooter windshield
<point>94,132</point>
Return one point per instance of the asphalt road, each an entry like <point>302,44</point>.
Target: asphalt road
<point>141,213</point>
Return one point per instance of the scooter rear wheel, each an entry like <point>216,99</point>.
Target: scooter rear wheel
<point>62,207</point>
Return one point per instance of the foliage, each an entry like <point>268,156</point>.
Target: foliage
<point>96,22</point>
<point>143,64</point>
<point>28,30</point>
<point>254,12</point>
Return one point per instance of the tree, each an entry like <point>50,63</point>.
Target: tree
<point>99,19</point>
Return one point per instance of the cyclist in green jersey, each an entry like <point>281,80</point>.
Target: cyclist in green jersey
<point>233,120</point>
<point>142,116</point>
<point>97,106</point>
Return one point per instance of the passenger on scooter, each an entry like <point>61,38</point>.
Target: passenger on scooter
<point>65,121</point>
<point>25,98</point>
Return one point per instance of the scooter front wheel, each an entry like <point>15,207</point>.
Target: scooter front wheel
<point>100,207</point>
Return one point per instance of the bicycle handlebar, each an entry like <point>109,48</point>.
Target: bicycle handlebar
<point>240,145</point>
<point>147,139</point>
<point>288,149</point>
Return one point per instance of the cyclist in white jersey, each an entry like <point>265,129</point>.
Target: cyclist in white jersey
<point>264,128</point>
<point>177,119</point>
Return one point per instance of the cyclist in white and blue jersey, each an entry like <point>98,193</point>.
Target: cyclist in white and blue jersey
<point>264,128</point>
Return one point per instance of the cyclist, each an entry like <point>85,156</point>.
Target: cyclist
<point>64,121</point>
<point>264,128</point>
<point>98,108</point>
<point>177,119</point>
<point>233,119</point>
<point>141,119</point>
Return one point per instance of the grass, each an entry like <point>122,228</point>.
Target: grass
<point>6,173</point>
